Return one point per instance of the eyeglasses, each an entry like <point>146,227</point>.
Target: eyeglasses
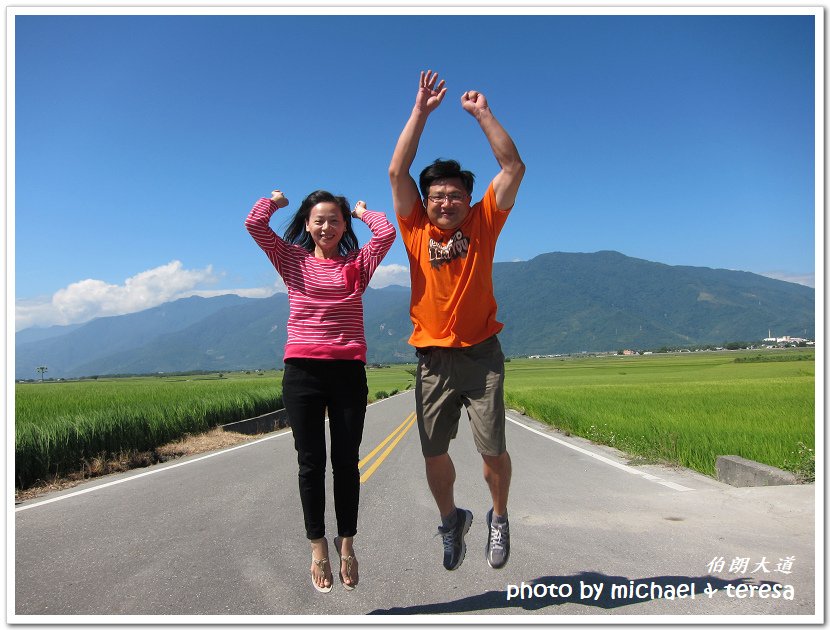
<point>452,198</point>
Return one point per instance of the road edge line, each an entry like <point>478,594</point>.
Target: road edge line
<point>605,460</point>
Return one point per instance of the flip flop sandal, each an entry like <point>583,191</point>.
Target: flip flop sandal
<point>348,560</point>
<point>321,564</point>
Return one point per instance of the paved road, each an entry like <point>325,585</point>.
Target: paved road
<point>222,535</point>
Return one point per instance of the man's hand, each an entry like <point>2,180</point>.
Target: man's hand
<point>429,95</point>
<point>506,182</point>
<point>279,199</point>
<point>405,194</point>
<point>474,102</point>
<point>359,209</point>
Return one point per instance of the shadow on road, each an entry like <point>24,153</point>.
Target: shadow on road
<point>586,588</point>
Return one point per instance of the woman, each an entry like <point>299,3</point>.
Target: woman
<point>325,356</point>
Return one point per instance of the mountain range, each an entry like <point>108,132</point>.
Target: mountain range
<point>556,303</point>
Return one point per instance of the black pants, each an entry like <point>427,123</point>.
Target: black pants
<point>309,388</point>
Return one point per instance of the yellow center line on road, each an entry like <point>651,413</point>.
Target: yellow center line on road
<point>402,430</point>
<point>363,461</point>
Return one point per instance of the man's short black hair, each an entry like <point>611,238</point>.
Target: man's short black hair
<point>445,169</point>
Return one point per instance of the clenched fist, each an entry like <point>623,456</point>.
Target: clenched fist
<point>279,199</point>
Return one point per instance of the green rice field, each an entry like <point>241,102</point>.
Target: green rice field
<point>59,425</point>
<point>684,409</point>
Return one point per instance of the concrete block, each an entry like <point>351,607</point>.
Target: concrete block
<point>265,423</point>
<point>740,472</point>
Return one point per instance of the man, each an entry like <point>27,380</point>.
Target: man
<point>451,245</point>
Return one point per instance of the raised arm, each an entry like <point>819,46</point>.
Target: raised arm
<point>506,183</point>
<point>383,235</point>
<point>257,222</point>
<point>404,188</point>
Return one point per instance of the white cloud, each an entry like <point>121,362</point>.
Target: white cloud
<point>88,299</point>
<point>807,279</point>
<point>390,274</point>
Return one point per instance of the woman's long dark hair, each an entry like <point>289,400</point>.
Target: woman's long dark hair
<point>296,233</point>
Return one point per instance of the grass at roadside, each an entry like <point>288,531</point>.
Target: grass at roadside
<point>684,409</point>
<point>389,380</point>
<point>61,427</point>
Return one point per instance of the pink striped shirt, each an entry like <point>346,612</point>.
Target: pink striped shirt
<point>325,296</point>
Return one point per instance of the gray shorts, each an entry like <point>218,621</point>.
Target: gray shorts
<point>450,377</point>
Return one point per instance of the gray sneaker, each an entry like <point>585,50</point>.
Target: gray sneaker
<point>498,542</point>
<point>454,546</point>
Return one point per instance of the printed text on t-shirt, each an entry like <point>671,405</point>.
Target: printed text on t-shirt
<point>456,247</point>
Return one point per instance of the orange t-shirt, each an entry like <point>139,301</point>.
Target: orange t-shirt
<point>452,302</point>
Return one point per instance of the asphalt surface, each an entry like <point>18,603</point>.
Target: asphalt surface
<point>219,538</point>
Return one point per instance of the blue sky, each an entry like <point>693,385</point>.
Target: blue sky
<point>142,141</point>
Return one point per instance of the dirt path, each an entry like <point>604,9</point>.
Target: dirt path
<point>188,445</point>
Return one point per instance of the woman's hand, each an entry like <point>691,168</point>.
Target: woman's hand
<point>359,209</point>
<point>279,199</point>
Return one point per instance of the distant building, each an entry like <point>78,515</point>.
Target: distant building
<point>786,339</point>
